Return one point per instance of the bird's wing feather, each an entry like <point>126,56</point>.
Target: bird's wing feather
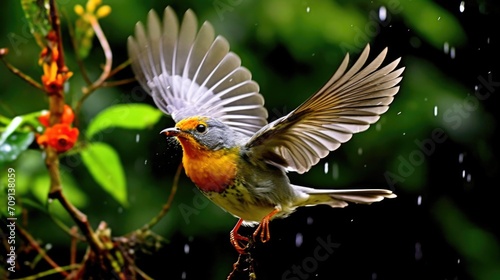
<point>348,103</point>
<point>190,72</point>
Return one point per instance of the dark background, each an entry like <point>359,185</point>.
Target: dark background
<point>444,223</point>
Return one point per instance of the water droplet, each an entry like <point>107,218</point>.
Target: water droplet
<point>145,161</point>
<point>230,80</point>
<point>326,168</point>
<point>50,200</point>
<point>308,9</point>
<point>439,18</point>
<point>452,52</point>
<point>137,138</point>
<point>469,178</point>
<point>374,276</point>
<point>313,54</point>
<point>335,171</point>
<point>309,221</point>
<point>461,8</point>
<point>488,40</point>
<point>399,113</point>
<point>183,275</point>
<point>419,200</point>
<point>378,127</point>
<point>458,261</point>
<point>360,151</point>
<point>460,158</point>
<point>404,133</point>
<point>435,111</point>
<point>418,251</point>
<point>186,248</point>
<point>352,220</point>
<point>446,47</point>
<point>298,240</point>
<point>463,173</point>
<point>382,13</point>
<point>48,246</point>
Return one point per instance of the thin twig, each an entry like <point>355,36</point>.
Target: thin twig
<point>23,76</point>
<point>168,204</point>
<point>108,54</point>
<point>27,236</point>
<point>119,68</point>
<point>118,83</point>
<point>49,272</point>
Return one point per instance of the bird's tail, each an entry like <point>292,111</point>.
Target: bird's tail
<point>339,198</point>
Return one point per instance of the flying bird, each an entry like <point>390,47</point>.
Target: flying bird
<point>230,152</point>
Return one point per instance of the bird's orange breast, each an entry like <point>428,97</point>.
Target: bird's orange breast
<point>209,170</point>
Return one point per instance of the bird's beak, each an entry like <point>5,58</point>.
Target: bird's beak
<point>171,132</point>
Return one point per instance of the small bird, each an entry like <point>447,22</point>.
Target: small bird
<point>232,154</point>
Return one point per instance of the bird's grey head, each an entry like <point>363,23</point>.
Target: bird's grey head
<point>208,132</point>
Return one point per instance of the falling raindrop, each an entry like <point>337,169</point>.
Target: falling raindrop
<point>399,113</point>
<point>452,52</point>
<point>145,161</point>
<point>463,173</point>
<point>308,9</point>
<point>309,221</point>
<point>469,178</point>
<point>439,18</point>
<point>488,40</point>
<point>313,54</point>
<point>352,220</point>
<point>418,251</point>
<point>183,275</point>
<point>446,47</point>
<point>374,276</point>
<point>335,171</point>
<point>137,138</point>
<point>186,248</point>
<point>360,151</point>
<point>419,200</point>
<point>326,167</point>
<point>378,127</point>
<point>460,158</point>
<point>462,6</point>
<point>435,111</point>
<point>404,133</point>
<point>382,13</point>
<point>50,200</point>
<point>298,239</point>
<point>48,246</point>
<point>458,261</point>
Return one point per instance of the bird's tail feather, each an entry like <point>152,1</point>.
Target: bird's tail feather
<point>339,198</point>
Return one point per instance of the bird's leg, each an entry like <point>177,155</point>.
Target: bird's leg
<point>263,227</point>
<point>237,240</point>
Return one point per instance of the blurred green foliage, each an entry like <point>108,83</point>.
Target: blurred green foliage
<point>292,48</point>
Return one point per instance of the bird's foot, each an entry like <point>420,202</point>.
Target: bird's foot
<point>263,228</point>
<point>239,242</point>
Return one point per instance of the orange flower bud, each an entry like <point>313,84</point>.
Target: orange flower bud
<point>60,136</point>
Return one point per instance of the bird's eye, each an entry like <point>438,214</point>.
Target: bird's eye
<point>201,128</point>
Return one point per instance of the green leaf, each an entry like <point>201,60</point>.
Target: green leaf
<point>15,144</point>
<point>131,116</point>
<point>37,15</point>
<point>104,164</point>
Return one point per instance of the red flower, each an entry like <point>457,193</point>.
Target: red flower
<point>60,136</point>
<point>67,117</point>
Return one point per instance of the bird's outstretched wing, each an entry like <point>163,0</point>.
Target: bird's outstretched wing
<point>191,72</point>
<point>348,103</point>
